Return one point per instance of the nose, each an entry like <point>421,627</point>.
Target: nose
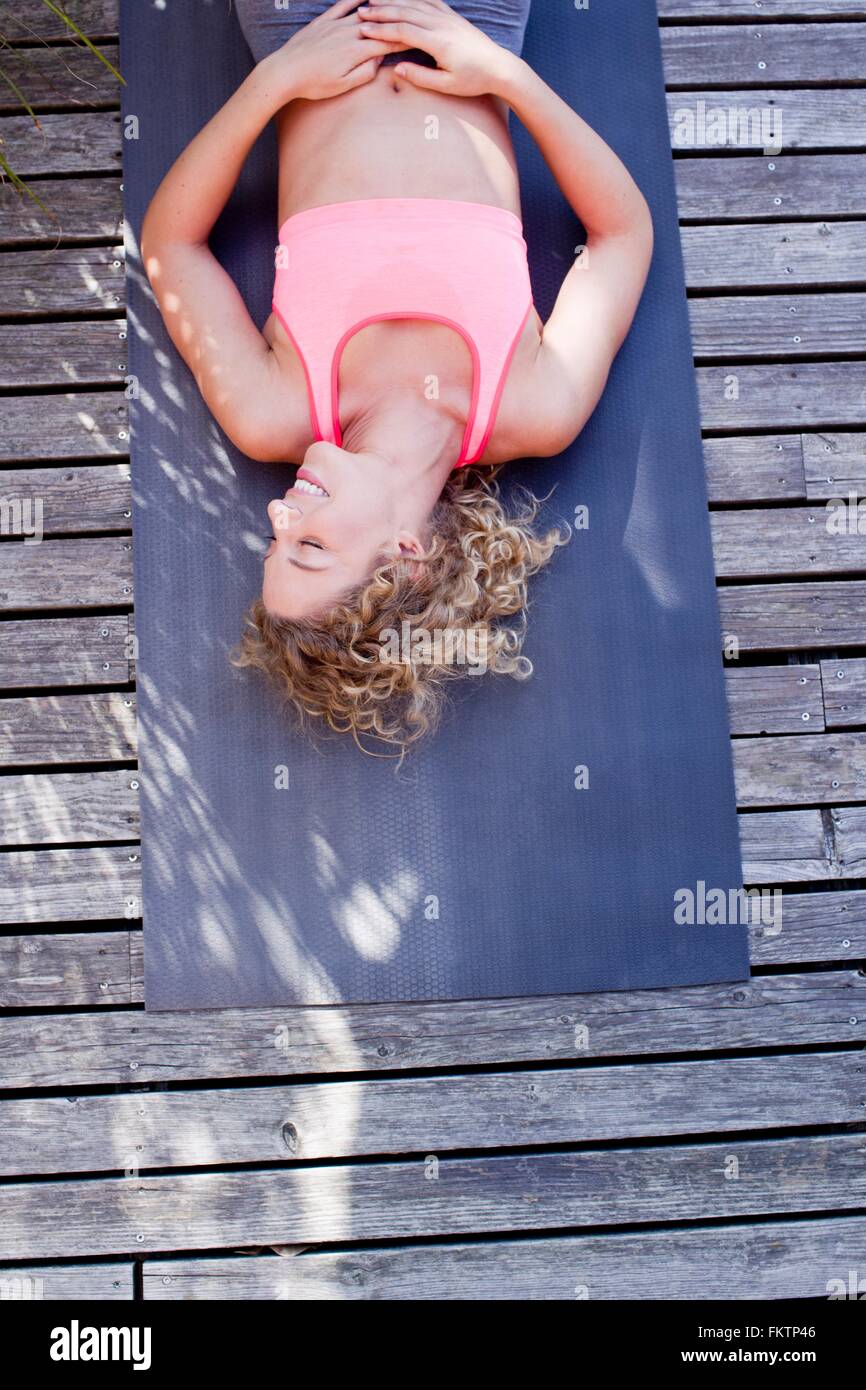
<point>282,514</point>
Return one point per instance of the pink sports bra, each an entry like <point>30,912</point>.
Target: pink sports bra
<point>345,265</point>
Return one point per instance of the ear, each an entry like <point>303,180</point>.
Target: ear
<point>408,546</point>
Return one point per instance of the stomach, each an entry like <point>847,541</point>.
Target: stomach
<point>389,139</point>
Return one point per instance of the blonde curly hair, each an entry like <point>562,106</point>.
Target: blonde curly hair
<point>341,669</point>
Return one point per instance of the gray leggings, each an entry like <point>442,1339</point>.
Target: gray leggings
<point>267,25</point>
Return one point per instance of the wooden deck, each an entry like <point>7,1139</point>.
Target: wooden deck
<point>521,1149</point>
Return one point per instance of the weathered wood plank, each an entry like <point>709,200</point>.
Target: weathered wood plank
<point>119,1047</point>
<point>69,885</point>
<point>849,829</point>
<point>811,118</point>
<point>101,728</point>
<point>844,685</point>
<point>74,969</point>
<point>723,256</point>
<point>72,1282</point>
<point>777,847</point>
<point>54,971</point>
<point>784,847</point>
<point>774,256</point>
<point>61,76</point>
<point>69,353</point>
<point>87,142</point>
<point>714,55</point>
<point>348,1119</point>
<point>709,188</point>
<point>35,971</point>
<point>64,651</point>
<point>32,20</point>
<point>92,353</point>
<point>803,394</point>
<point>759,617</point>
<point>709,191</point>
<point>808,118</point>
<point>779,617</point>
<point>774,699</point>
<point>85,498</point>
<point>56,574</point>
<point>71,499</point>
<point>791,771</point>
<point>380,1200</point>
<point>68,573</point>
<point>739,54</point>
<point>781,1259</point>
<point>99,497</point>
<point>779,326</point>
<point>43,729</point>
<point>99,18</point>
<point>74,209</point>
<point>755,468</point>
<point>767,121</point>
<point>70,426</point>
<point>786,541</point>
<point>44,652</point>
<point>815,927</point>
<point>59,882</point>
<point>66,807</point>
<point>62,280</point>
<point>835,465</point>
<point>802,185</point>
<point>740,468</point>
<point>792,467</point>
<point>747,9</point>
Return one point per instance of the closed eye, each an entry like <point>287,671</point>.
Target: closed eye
<point>314,544</point>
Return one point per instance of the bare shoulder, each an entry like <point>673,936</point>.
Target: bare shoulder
<point>536,417</point>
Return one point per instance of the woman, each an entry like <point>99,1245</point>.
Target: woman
<point>403,347</point>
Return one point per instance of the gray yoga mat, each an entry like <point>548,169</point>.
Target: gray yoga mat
<point>480,869</point>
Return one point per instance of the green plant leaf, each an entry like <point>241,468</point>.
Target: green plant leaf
<point>17,92</point>
<point>70,23</point>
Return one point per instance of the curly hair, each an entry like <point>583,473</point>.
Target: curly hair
<point>376,663</point>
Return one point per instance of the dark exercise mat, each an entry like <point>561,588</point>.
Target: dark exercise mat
<point>479,869</point>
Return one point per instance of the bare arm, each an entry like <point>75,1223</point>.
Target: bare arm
<point>600,294</point>
<point>200,304</point>
<point>202,307</point>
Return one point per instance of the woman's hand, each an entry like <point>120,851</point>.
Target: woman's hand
<point>328,56</point>
<point>469,63</point>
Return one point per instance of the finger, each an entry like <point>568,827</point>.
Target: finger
<point>364,72</point>
<point>433,78</point>
<point>410,35</point>
<point>397,14</point>
<point>396,9</point>
<point>341,8</point>
<point>377,48</point>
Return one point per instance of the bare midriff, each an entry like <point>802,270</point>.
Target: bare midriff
<point>389,139</point>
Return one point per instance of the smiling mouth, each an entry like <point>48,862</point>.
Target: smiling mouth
<point>309,484</point>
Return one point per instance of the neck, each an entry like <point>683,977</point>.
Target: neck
<point>416,437</point>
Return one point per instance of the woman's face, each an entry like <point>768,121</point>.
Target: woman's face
<point>330,529</point>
